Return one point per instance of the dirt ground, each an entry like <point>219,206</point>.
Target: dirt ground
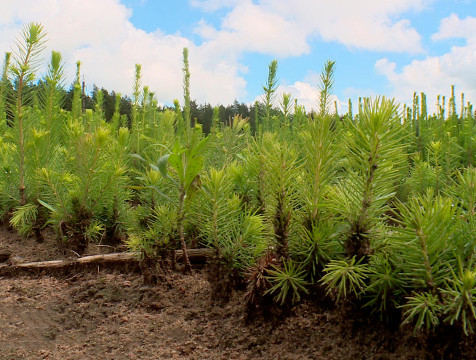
<point>104,313</point>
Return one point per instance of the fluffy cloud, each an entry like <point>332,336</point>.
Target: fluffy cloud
<point>454,27</point>
<point>434,74</point>
<point>283,27</point>
<point>307,94</point>
<point>110,46</point>
<point>252,28</point>
<point>213,5</point>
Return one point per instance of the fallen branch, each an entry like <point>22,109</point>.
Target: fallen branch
<point>195,255</point>
<point>106,258</point>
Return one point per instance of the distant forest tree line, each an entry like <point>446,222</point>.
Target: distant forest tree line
<point>200,113</point>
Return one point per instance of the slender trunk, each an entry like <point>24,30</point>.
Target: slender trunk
<point>426,259</point>
<point>180,218</point>
<point>20,125</point>
<point>21,144</point>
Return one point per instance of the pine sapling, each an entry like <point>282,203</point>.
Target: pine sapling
<point>23,69</point>
<point>269,92</point>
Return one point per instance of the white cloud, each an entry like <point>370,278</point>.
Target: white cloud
<point>205,31</point>
<point>283,28</point>
<point>110,46</point>
<point>365,24</point>
<point>250,27</point>
<point>454,27</point>
<point>101,36</point>
<point>387,68</point>
<point>434,75</point>
<point>306,94</point>
<point>213,5</point>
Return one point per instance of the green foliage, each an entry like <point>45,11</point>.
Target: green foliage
<point>326,86</point>
<point>375,154</point>
<point>4,90</point>
<point>186,163</point>
<point>463,191</point>
<point>88,197</point>
<point>322,155</point>
<point>52,98</point>
<point>151,231</point>
<point>230,142</point>
<point>238,237</point>
<point>269,93</point>
<point>460,299</point>
<point>377,206</point>
<point>316,247</point>
<point>281,173</point>
<point>23,69</point>
<point>24,217</point>
<point>287,282</point>
<point>76,106</point>
<point>423,309</point>
<point>422,178</point>
<point>345,277</point>
<point>244,176</point>
<point>26,59</point>
<point>425,240</point>
<point>385,287</point>
<point>186,91</point>
<point>136,91</point>
<point>99,106</point>
<point>218,208</point>
<point>116,117</point>
<point>285,106</point>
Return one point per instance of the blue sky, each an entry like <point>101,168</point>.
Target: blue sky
<point>391,47</point>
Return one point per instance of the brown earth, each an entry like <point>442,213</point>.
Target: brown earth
<point>103,313</point>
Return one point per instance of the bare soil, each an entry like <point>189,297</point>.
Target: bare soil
<point>106,313</point>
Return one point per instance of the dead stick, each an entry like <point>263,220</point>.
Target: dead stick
<point>195,255</point>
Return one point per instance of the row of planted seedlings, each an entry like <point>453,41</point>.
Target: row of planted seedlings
<point>377,209</point>
<point>347,205</point>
